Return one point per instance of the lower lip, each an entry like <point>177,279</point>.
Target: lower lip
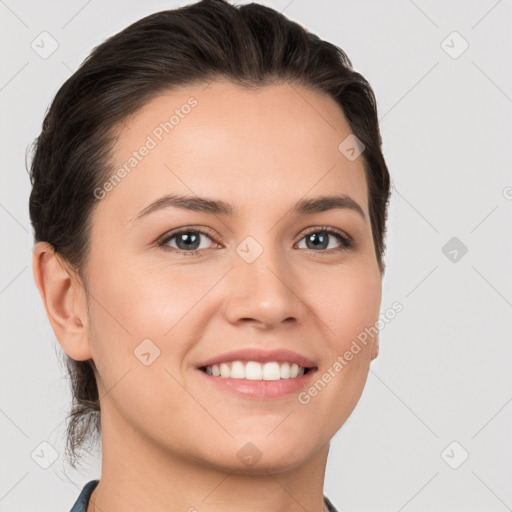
<point>262,389</point>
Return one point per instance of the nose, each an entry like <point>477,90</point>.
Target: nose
<point>265,292</point>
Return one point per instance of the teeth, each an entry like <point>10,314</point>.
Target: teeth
<point>237,370</point>
<point>253,370</point>
<point>224,370</point>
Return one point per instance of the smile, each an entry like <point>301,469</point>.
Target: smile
<point>254,370</point>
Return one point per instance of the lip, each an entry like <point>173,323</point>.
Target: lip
<point>261,389</point>
<point>262,356</point>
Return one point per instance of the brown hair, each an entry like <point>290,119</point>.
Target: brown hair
<point>250,45</point>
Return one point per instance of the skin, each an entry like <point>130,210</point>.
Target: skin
<point>170,442</point>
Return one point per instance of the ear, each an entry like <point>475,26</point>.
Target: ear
<point>375,348</point>
<point>64,300</point>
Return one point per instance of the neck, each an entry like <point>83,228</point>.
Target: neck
<point>139,475</point>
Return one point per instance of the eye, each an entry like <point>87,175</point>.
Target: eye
<point>320,238</point>
<point>188,240</point>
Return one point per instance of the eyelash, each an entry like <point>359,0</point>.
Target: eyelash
<point>346,242</point>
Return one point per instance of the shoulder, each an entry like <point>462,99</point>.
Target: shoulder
<point>83,499</point>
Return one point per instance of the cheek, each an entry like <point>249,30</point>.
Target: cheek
<point>349,302</point>
<point>141,301</point>
<point>349,310</point>
<point>134,302</point>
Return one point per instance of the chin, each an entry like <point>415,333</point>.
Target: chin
<point>261,455</point>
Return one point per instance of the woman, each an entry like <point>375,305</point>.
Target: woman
<point>209,204</point>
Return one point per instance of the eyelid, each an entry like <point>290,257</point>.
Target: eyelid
<point>347,243</point>
<point>328,229</point>
<point>198,229</point>
<point>346,240</point>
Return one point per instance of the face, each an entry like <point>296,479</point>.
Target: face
<point>171,288</point>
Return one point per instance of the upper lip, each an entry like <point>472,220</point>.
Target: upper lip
<point>262,356</point>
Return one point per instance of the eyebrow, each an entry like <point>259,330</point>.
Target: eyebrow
<point>218,207</point>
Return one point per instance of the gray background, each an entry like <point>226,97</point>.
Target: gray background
<point>444,369</point>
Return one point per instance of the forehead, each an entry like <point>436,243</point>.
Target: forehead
<point>245,146</point>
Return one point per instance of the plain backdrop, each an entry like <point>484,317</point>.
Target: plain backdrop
<point>432,428</point>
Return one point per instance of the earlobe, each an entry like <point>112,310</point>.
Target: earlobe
<point>64,301</point>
